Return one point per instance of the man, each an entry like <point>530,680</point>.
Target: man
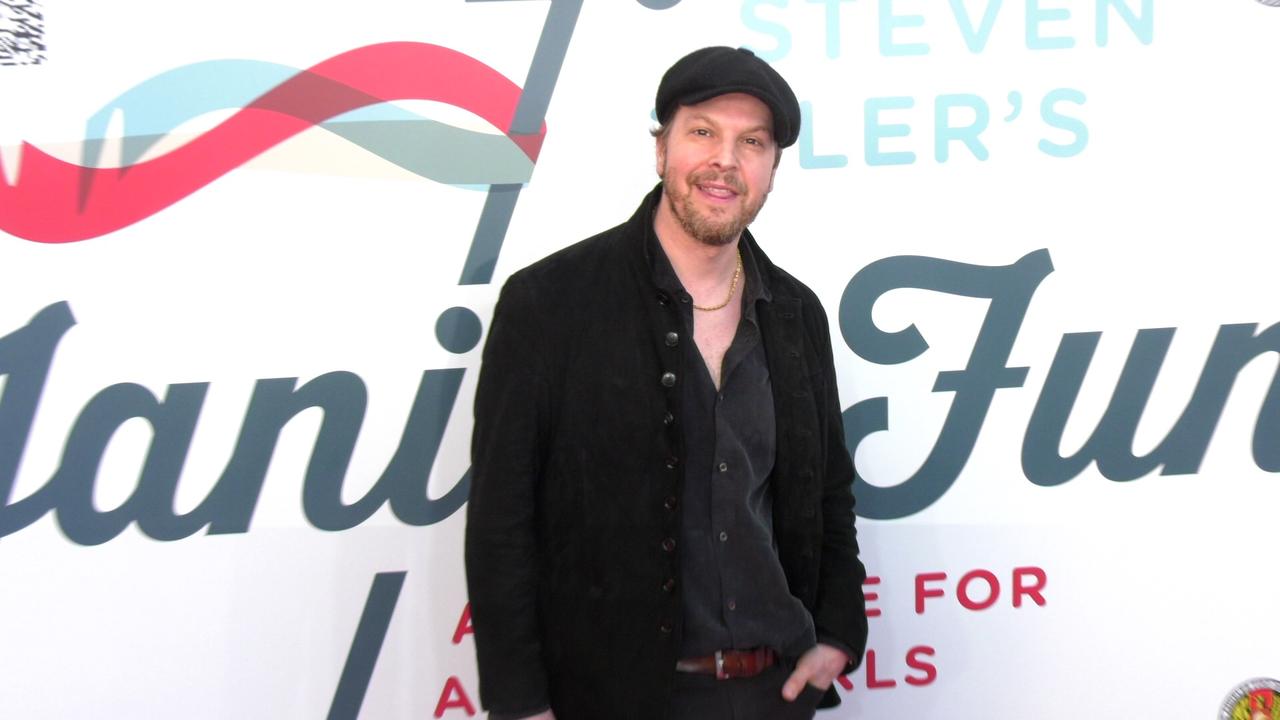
<point>661,517</point>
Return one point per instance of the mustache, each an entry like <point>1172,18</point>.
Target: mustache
<point>729,179</point>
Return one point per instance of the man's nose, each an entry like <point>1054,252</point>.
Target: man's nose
<point>725,154</point>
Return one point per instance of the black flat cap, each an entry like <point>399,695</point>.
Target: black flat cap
<point>711,71</point>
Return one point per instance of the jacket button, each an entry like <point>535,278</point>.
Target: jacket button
<point>672,462</point>
<point>664,299</point>
<point>672,339</point>
<point>669,585</point>
<point>684,298</point>
<point>670,502</point>
<point>669,544</point>
<point>665,628</point>
<point>668,418</point>
<point>668,379</point>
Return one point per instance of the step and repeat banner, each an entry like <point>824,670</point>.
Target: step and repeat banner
<point>250,252</point>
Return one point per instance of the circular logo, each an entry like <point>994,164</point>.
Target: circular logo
<point>1259,698</point>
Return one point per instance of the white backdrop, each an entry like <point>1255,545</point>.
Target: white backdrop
<point>231,272</point>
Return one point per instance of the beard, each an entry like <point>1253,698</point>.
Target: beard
<point>714,229</point>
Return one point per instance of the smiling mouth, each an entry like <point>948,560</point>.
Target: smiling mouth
<point>719,192</point>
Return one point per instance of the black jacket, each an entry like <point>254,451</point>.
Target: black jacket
<point>573,525</point>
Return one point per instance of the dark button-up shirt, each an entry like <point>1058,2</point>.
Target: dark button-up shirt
<point>735,594</point>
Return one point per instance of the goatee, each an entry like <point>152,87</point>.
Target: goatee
<point>704,227</point>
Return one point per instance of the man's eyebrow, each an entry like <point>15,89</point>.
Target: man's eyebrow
<point>763,127</point>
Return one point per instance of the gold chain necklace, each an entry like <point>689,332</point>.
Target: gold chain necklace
<point>733,287</point>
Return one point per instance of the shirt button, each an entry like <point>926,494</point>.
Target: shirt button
<point>672,339</point>
<point>684,297</point>
<point>669,544</point>
<point>665,628</point>
<point>724,467</point>
<point>733,605</point>
<point>669,503</point>
<point>669,585</point>
<point>663,298</point>
<point>668,379</point>
<point>672,462</point>
<point>668,418</point>
<point>724,536</point>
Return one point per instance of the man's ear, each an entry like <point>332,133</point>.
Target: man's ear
<point>660,155</point>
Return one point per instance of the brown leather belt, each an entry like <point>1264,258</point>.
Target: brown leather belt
<point>727,664</point>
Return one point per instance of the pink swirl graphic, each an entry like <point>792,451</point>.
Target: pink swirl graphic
<point>59,202</point>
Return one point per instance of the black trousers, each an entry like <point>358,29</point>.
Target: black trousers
<point>703,697</point>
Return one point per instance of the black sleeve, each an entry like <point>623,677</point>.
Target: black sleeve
<point>507,445</point>
<point>840,613</point>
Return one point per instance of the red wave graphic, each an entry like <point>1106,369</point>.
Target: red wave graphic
<point>46,203</point>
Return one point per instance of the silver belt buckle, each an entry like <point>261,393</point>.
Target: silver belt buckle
<point>720,674</point>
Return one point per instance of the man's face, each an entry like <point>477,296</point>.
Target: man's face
<point>716,160</point>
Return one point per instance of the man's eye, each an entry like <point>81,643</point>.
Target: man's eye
<point>701,131</point>
<point>752,141</point>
